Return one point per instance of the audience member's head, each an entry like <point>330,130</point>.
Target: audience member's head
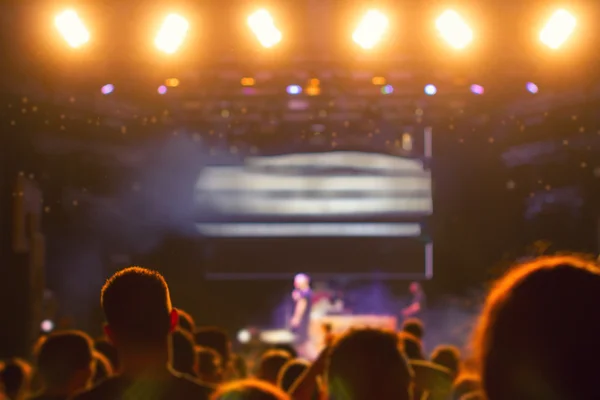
<point>538,332</point>
<point>240,368</point>
<point>16,377</point>
<point>216,339</point>
<point>249,390</point>
<point>183,352</point>
<point>137,307</point>
<point>367,364</point>
<point>464,385</point>
<point>447,356</point>
<point>209,367</point>
<point>288,349</point>
<point>185,321</point>
<point>290,373</point>
<point>413,349</point>
<point>270,364</point>
<point>103,346</point>
<point>65,363</point>
<point>414,326</point>
<point>478,395</point>
<point>102,369</point>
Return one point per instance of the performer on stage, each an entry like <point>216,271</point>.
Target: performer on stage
<point>302,296</point>
<point>417,304</point>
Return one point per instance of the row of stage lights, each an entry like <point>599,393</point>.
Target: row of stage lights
<point>369,32</point>
<point>313,88</point>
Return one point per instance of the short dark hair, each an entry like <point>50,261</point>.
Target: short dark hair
<point>290,373</point>
<point>209,361</point>
<point>412,347</point>
<point>271,363</point>
<point>103,346</point>
<point>527,331</point>
<point>366,364</point>
<point>183,353</point>
<point>447,356</point>
<point>15,376</point>
<point>63,354</point>
<point>137,305</point>
<point>103,368</point>
<point>216,339</point>
<point>415,327</point>
<point>185,321</point>
<point>251,389</point>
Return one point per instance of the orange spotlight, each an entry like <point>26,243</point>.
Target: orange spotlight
<point>72,28</point>
<point>172,33</point>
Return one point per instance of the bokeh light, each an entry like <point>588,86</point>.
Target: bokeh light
<point>162,89</point>
<point>558,29</point>
<point>248,81</point>
<point>531,87</point>
<point>387,89</point>
<point>477,89</point>
<point>244,336</point>
<point>72,28</point>
<point>107,89</point>
<point>430,90</point>
<point>294,89</point>
<point>453,29</point>
<point>371,29</point>
<point>263,26</point>
<point>172,82</point>
<point>172,33</point>
<point>47,326</point>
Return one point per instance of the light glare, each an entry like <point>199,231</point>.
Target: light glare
<point>430,90</point>
<point>107,89</point>
<point>172,33</point>
<point>72,28</point>
<point>477,89</point>
<point>454,29</point>
<point>558,29</point>
<point>294,89</point>
<point>532,88</point>
<point>371,29</point>
<point>263,26</point>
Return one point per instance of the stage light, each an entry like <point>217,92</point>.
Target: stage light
<point>454,29</point>
<point>162,89</point>
<point>244,336</point>
<point>378,80</point>
<point>47,326</point>
<point>477,89</point>
<point>248,82</point>
<point>172,82</point>
<point>172,33</point>
<point>558,29</point>
<point>263,26</point>
<point>387,89</point>
<point>371,29</point>
<point>313,90</point>
<point>430,90</point>
<point>531,88</point>
<point>72,28</point>
<point>294,89</point>
<point>107,89</point>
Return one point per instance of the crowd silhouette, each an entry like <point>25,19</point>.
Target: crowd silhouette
<point>536,338</point>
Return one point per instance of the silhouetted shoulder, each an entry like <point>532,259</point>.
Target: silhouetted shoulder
<point>175,387</point>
